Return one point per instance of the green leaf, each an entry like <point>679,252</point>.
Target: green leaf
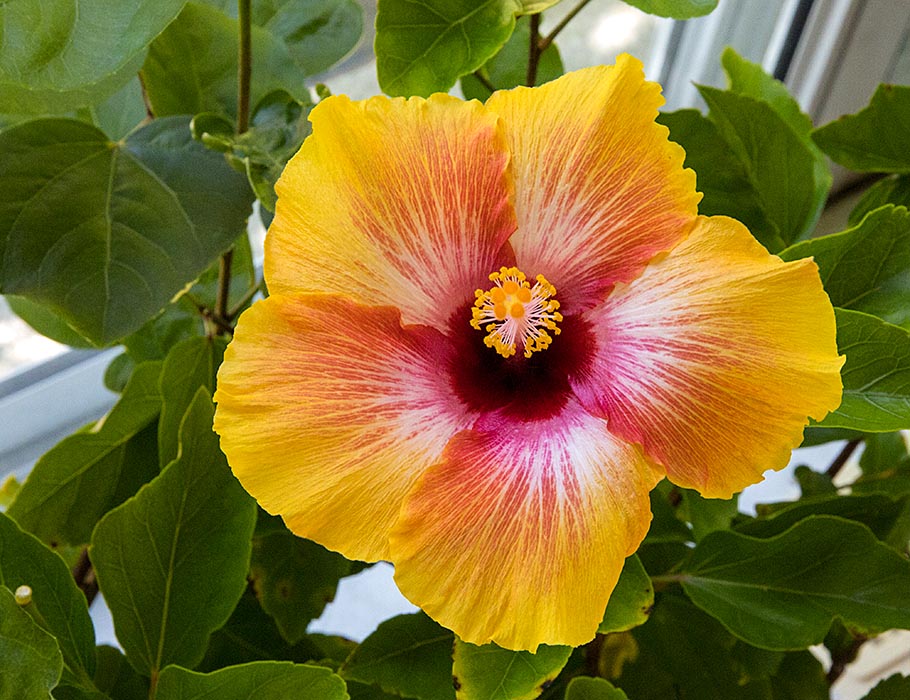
<point>583,688</point>
<point>790,186</point>
<point>509,67</point>
<point>894,189</point>
<point>251,635</point>
<point>665,525</point>
<point>783,592</point>
<point>63,55</point>
<point>46,322</point>
<point>118,373</point>
<point>278,127</point>
<point>677,9</point>
<point>819,436</point>
<point>533,7</point>
<point>154,340</point>
<point>106,234</point>
<point>813,483</point>
<point>424,47</point>
<point>879,512</point>
<point>892,482</point>
<point>191,364</point>
<point>294,579</point>
<point>748,78</point>
<point>876,374</point>
<point>489,672</point>
<point>866,268</point>
<point>116,678</point>
<point>800,677</point>
<point>882,452</point>
<point>361,691</point>
<point>681,653</point>
<point>631,601</point>
<point>409,655</point>
<point>30,660</point>
<point>122,112</point>
<point>875,139</point>
<point>896,687</point>
<point>722,177</point>
<point>57,604</point>
<point>77,481</point>
<point>709,514</point>
<point>172,561</point>
<point>262,680</point>
<point>318,33</point>
<point>192,66</point>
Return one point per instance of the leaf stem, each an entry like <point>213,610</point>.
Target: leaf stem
<point>544,43</point>
<point>483,80</point>
<point>842,458</point>
<point>244,65</point>
<point>533,51</point>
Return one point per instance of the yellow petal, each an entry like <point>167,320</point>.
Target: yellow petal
<point>518,535</point>
<point>599,190</point>
<point>714,357</point>
<point>394,202</point>
<point>328,411</point>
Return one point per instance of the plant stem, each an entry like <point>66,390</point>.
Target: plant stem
<point>484,81</point>
<point>224,286</point>
<point>533,51</point>
<point>244,65</point>
<point>84,575</point>
<point>153,684</point>
<point>544,43</point>
<point>247,298</point>
<point>840,662</point>
<point>842,458</point>
<point>244,74</point>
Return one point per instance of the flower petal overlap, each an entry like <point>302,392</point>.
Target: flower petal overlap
<point>507,483</point>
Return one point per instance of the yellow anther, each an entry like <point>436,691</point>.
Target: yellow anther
<point>513,313</point>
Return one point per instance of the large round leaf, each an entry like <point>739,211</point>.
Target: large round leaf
<point>62,54</point>
<point>106,233</point>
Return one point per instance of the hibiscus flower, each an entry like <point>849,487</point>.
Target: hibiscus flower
<point>493,329</point>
